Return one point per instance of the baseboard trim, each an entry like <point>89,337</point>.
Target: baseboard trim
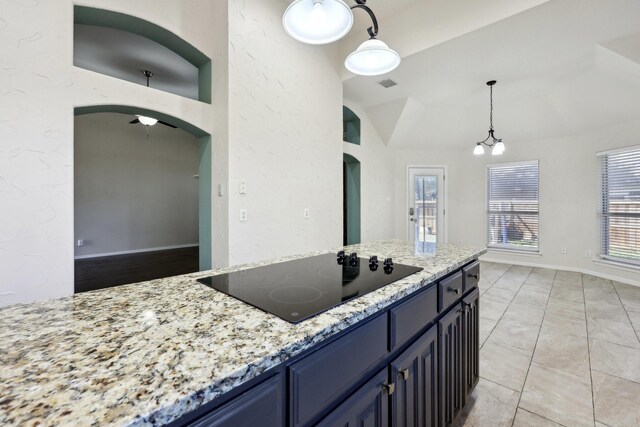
<point>137,251</point>
<point>557,267</point>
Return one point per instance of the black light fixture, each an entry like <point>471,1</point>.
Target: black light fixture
<point>326,21</point>
<point>496,144</point>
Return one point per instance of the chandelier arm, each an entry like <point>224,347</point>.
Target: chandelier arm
<point>373,30</point>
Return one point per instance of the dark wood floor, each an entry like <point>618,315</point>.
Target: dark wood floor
<point>104,272</point>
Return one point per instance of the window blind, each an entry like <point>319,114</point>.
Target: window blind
<point>513,206</point>
<point>620,219</point>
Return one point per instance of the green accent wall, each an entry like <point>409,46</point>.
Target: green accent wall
<point>204,199</point>
<point>352,199</point>
<point>205,169</point>
<point>350,126</point>
<point>85,15</point>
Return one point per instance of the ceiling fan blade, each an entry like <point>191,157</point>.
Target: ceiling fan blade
<point>167,124</point>
<point>134,121</point>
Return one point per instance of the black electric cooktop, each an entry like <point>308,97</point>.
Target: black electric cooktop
<point>296,290</point>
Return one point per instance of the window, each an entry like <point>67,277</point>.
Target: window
<point>620,219</point>
<point>513,206</point>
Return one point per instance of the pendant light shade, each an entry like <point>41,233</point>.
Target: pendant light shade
<point>372,58</point>
<point>496,151</point>
<point>147,121</point>
<point>317,21</point>
<point>479,150</point>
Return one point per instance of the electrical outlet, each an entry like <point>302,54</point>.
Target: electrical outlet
<point>243,215</point>
<point>563,251</point>
<point>305,213</point>
<point>587,254</point>
<point>80,242</point>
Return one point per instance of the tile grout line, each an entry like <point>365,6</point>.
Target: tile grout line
<point>586,319</point>
<point>534,350</point>
<point>625,311</point>
<point>493,283</point>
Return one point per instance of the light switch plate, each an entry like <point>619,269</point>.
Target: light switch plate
<point>243,215</point>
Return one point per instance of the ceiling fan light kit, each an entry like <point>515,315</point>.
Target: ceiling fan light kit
<point>496,144</point>
<point>326,21</point>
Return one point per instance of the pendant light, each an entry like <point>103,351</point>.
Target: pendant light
<point>496,144</point>
<point>323,21</point>
<point>317,21</point>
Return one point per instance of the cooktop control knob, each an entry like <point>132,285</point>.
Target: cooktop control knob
<point>373,263</point>
<point>341,257</point>
<point>353,259</point>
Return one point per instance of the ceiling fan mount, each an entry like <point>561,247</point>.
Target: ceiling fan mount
<point>145,120</point>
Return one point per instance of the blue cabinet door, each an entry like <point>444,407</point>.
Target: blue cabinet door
<point>415,373</point>
<point>450,365</point>
<point>367,407</point>
<point>471,342</point>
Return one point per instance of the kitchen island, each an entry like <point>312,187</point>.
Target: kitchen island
<point>173,350</point>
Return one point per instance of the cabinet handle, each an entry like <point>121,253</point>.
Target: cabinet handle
<point>454,290</point>
<point>389,388</point>
<point>475,276</point>
<point>404,374</point>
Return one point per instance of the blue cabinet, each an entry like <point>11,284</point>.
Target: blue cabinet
<point>415,373</point>
<point>470,342</point>
<point>450,365</point>
<point>369,406</point>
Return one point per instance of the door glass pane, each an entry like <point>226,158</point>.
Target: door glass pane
<point>426,210</point>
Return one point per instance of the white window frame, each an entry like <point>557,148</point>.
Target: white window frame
<point>602,215</point>
<point>509,247</point>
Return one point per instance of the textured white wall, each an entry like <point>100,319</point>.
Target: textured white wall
<point>285,136</point>
<point>377,179</point>
<point>38,90</point>
<point>130,193</point>
<point>569,196</point>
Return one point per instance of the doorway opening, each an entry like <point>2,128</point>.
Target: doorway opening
<point>426,210</point>
<point>351,199</point>
<point>142,197</point>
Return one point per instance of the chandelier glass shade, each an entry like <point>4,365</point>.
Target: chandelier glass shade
<point>317,21</point>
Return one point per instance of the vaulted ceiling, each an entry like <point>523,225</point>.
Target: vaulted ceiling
<point>563,67</point>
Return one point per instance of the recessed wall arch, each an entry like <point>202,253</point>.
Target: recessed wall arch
<point>84,15</point>
<point>351,200</point>
<point>204,168</point>
<point>350,126</point>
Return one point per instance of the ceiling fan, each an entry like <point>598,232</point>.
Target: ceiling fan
<point>148,121</point>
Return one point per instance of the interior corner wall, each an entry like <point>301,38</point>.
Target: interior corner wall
<point>377,179</point>
<point>569,196</point>
<point>285,115</point>
<point>133,194</point>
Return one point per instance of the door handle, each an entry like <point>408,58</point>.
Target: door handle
<point>411,211</point>
<point>389,388</point>
<point>404,374</point>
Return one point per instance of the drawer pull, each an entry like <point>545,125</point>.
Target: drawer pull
<point>389,388</point>
<point>475,276</point>
<point>455,291</point>
<point>404,374</point>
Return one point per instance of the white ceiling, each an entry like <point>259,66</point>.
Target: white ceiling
<point>101,50</point>
<point>563,67</point>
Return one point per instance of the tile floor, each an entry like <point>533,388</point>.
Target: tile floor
<point>558,349</point>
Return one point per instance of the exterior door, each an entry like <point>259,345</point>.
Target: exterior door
<point>426,211</point>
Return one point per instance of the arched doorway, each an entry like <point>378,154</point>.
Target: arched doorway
<point>351,199</point>
<point>200,169</point>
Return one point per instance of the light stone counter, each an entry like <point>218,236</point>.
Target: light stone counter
<point>147,353</point>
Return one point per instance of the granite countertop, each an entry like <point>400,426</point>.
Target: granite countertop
<point>147,353</point>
